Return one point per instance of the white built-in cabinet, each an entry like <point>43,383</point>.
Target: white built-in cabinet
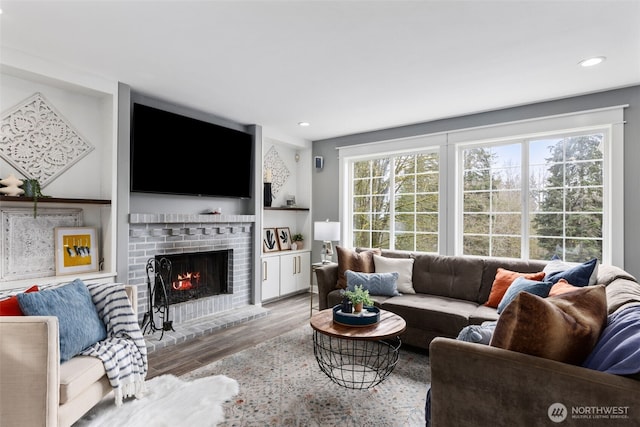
<point>289,165</point>
<point>295,272</point>
<point>270,277</point>
<point>286,274</point>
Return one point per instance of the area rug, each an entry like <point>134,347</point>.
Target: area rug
<point>282,385</point>
<point>169,401</point>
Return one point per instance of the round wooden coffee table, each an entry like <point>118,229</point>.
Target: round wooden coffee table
<point>357,357</point>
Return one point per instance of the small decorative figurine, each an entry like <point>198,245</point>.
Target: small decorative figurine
<point>12,186</point>
<point>347,305</point>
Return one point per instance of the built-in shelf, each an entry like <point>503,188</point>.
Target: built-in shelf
<point>284,208</point>
<point>56,200</point>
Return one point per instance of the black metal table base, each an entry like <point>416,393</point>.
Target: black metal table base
<point>353,363</point>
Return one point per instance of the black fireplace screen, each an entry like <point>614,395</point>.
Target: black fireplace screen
<point>196,275</point>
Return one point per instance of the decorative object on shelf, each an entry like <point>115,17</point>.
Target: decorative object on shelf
<point>76,250</point>
<point>11,186</point>
<point>291,201</point>
<point>31,188</point>
<point>284,238</point>
<point>277,168</point>
<point>268,195</point>
<point>298,239</point>
<point>359,297</point>
<point>39,141</point>
<point>158,298</point>
<point>269,240</point>
<point>27,246</point>
<point>326,231</point>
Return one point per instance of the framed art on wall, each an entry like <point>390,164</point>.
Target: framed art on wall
<point>76,250</point>
<point>284,238</point>
<point>269,240</point>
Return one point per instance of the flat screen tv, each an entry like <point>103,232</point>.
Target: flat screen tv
<point>175,154</point>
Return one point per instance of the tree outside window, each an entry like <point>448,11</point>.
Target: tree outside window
<point>395,202</point>
<point>563,215</point>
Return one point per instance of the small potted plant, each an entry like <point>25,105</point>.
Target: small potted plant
<point>32,188</point>
<point>359,298</point>
<point>298,239</point>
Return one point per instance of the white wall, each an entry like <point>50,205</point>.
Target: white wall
<point>85,111</point>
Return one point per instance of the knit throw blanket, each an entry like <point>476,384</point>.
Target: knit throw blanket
<point>123,352</point>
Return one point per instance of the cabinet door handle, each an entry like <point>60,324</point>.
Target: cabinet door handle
<point>264,271</point>
<point>299,264</point>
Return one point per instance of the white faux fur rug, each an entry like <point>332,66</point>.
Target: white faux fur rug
<point>169,401</point>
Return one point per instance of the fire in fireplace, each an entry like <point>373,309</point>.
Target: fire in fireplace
<point>196,275</point>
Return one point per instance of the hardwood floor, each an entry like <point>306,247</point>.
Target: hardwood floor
<point>284,315</point>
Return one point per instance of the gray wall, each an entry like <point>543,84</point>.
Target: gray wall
<point>325,181</point>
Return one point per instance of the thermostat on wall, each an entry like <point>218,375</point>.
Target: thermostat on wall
<point>319,161</point>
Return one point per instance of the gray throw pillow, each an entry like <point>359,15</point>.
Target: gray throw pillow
<point>480,334</point>
<point>376,283</point>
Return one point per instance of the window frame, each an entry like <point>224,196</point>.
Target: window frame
<point>525,171</point>
<point>610,119</point>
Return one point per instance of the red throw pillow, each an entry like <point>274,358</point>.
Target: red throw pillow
<point>504,279</point>
<point>10,306</point>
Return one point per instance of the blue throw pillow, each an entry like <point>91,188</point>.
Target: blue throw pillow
<point>577,276</point>
<point>521,284</point>
<point>78,320</point>
<point>376,283</point>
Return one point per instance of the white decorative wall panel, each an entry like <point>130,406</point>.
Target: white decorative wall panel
<point>39,141</point>
<point>28,245</point>
<point>279,171</point>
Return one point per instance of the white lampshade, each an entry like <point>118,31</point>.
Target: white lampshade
<point>326,231</point>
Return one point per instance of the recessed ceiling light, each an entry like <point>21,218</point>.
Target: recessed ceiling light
<point>303,124</point>
<point>590,62</point>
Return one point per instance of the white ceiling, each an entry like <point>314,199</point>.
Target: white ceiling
<point>344,66</point>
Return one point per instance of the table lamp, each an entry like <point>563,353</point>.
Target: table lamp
<point>327,231</point>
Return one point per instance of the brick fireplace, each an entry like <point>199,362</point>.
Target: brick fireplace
<point>152,235</point>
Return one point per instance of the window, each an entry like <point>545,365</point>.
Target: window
<point>530,189</point>
<point>395,202</point>
<point>562,213</point>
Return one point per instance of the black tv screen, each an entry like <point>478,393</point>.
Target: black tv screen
<point>175,154</point>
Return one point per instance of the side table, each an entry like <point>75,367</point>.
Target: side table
<point>353,356</point>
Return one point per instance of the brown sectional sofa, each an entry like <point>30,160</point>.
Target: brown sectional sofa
<point>481,385</point>
<point>450,293</point>
<point>514,389</point>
